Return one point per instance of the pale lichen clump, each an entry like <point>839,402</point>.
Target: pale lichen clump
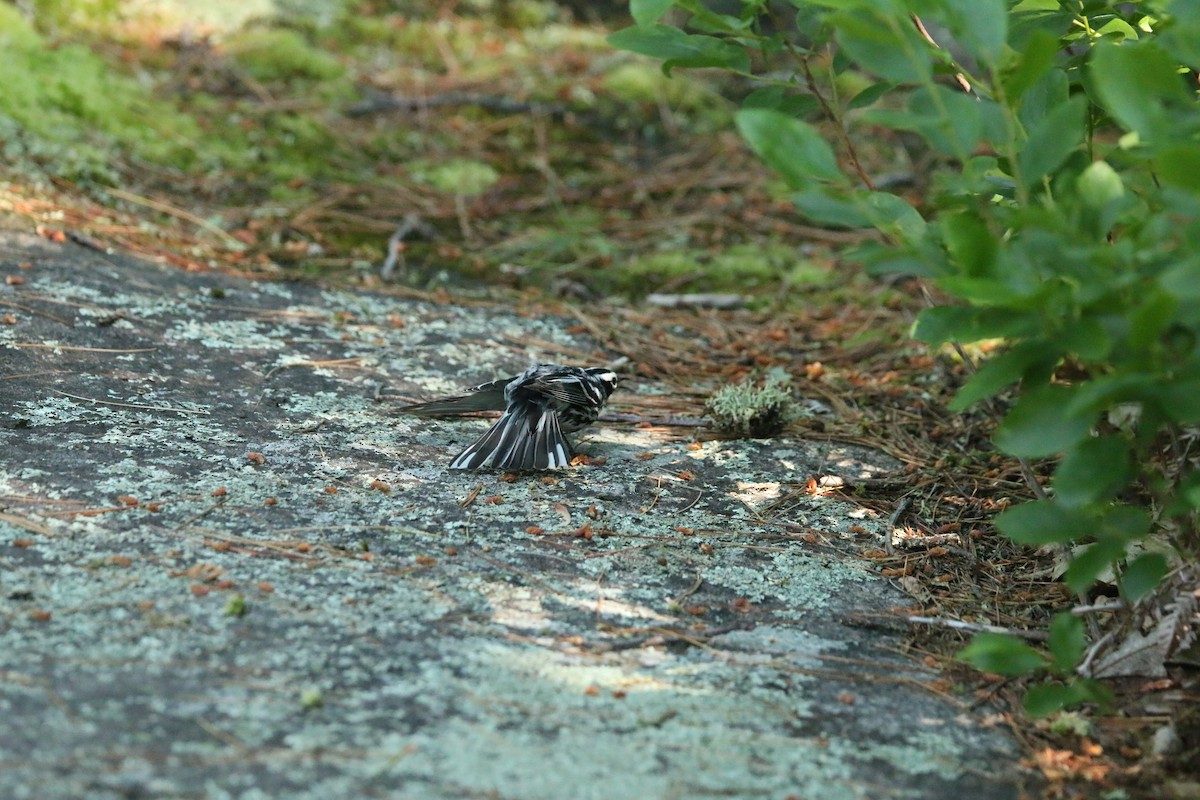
<point>755,409</point>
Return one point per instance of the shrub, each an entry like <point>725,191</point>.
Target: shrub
<point>1063,216</point>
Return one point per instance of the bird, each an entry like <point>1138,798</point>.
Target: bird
<point>540,405</point>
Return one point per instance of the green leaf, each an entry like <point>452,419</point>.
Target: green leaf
<point>881,259</point>
<point>1033,62</point>
<point>966,324</point>
<point>1052,139</point>
<point>1179,164</point>
<point>1050,91</point>
<point>1142,576</point>
<point>1124,523</point>
<point>1182,279</point>
<point>1115,529</point>
<point>647,12</point>
<point>1098,394</point>
<point>1089,563</point>
<point>999,371</point>
<point>1002,654</point>
<point>885,44</point>
<point>791,147</point>
<point>1039,424</point>
<point>995,291</point>
<point>1118,30</point>
<point>707,21</point>
<point>971,244</point>
<point>1042,522</point>
<point>678,49</point>
<point>1182,37</point>
<point>981,27</point>
<point>859,208</point>
<point>1094,470</point>
<point>781,98</point>
<point>1066,641</point>
<point>1087,338</point>
<point>951,121</point>
<point>869,95</point>
<point>1046,698</point>
<point>1187,496</point>
<point>1149,319</point>
<point>829,208</point>
<point>1179,400</point>
<point>892,215</point>
<point>1139,85</point>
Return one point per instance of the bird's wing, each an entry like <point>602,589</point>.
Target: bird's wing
<point>486,397</point>
<point>525,437</point>
<point>569,390</point>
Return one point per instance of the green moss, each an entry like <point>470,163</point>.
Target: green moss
<point>69,108</point>
<point>16,34</point>
<point>555,38</point>
<point>643,82</point>
<point>236,606</point>
<point>735,267</point>
<point>271,54</point>
<point>356,30</point>
<point>73,13</point>
<point>460,176</point>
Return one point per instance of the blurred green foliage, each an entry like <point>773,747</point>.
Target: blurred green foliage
<point>1063,215</point>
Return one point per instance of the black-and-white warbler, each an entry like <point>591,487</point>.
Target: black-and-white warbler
<point>540,405</point>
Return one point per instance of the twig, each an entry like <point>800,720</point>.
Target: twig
<point>180,213</point>
<point>70,348</point>
<point>695,587</point>
<point>1099,608</point>
<point>29,310</point>
<point>959,77</point>
<point>134,405</point>
<point>674,421</point>
<point>689,506</point>
<point>201,514</point>
<point>331,363</point>
<point>1085,666</point>
<point>701,300</point>
<point>471,495</point>
<point>83,240</point>
<point>1036,636</point>
<point>395,246</point>
<point>26,523</point>
<point>834,117</point>
<point>901,507</point>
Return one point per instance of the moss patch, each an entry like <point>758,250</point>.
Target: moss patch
<point>273,54</point>
<point>737,266</point>
<point>65,106</point>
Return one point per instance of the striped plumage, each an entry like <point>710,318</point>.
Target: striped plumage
<point>540,405</point>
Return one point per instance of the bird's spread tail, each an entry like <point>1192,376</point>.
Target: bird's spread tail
<point>524,438</point>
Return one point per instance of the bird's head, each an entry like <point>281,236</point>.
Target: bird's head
<point>605,376</point>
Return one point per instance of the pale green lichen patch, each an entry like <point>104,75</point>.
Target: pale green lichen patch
<point>755,409</point>
<point>797,582</point>
<point>231,334</point>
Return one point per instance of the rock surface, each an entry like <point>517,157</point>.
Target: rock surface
<point>226,570</point>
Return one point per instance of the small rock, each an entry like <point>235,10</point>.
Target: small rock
<point>1166,741</point>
